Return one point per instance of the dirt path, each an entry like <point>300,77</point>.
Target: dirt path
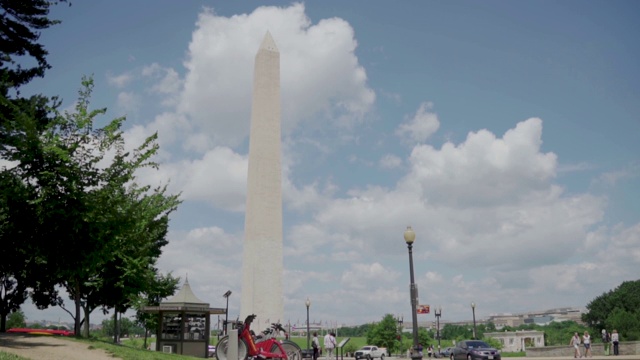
<point>36,347</point>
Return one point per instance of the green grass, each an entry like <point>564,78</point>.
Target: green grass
<point>8,356</point>
<point>514,354</point>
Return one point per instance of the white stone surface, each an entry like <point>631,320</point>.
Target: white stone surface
<point>262,263</point>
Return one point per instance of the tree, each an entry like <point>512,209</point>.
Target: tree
<point>384,334</point>
<point>99,233</point>
<point>17,320</point>
<point>14,213</point>
<point>20,23</point>
<point>160,288</point>
<point>617,309</point>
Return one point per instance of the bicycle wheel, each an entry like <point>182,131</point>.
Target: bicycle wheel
<point>223,347</point>
<point>293,351</point>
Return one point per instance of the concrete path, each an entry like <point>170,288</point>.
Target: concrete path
<point>595,357</point>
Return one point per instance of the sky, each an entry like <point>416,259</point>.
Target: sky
<point>505,133</point>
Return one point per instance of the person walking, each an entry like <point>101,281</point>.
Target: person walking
<point>606,339</point>
<point>615,339</point>
<point>575,341</point>
<point>315,344</point>
<point>430,350</point>
<point>586,340</point>
<point>329,344</point>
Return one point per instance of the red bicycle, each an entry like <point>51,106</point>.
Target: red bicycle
<point>264,346</point>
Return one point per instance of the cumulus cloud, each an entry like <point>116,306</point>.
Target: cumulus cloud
<point>390,161</point>
<point>423,124</point>
<point>484,169</point>
<point>167,82</point>
<point>320,73</point>
<point>128,102</point>
<point>121,80</point>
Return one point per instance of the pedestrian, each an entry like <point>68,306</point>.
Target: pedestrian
<point>586,340</point>
<point>430,350</point>
<point>615,338</point>
<point>605,341</point>
<point>315,344</point>
<point>575,341</point>
<point>329,344</point>
<point>419,348</point>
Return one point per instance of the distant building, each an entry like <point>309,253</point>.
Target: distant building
<point>514,341</point>
<point>536,317</point>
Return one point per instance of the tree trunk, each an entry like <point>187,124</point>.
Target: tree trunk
<point>115,326</point>
<point>76,299</point>
<point>86,321</point>
<point>3,323</point>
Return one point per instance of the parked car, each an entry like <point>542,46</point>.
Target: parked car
<point>444,353</point>
<point>370,352</point>
<point>474,350</point>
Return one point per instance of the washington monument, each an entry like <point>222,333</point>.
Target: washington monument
<point>262,253</point>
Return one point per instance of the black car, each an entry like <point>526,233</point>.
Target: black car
<point>474,350</point>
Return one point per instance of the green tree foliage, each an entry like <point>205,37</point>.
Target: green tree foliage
<point>161,287</point>
<point>14,215</point>
<point>22,58</point>
<point>356,331</point>
<point>17,320</point>
<point>617,309</point>
<point>127,327</point>
<point>385,334</point>
<point>102,232</point>
<point>456,332</point>
<point>21,22</point>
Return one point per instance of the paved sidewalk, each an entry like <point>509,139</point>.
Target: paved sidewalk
<point>595,357</point>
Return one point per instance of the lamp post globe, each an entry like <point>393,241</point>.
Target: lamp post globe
<point>409,238</point>
<point>308,303</point>
<point>473,310</point>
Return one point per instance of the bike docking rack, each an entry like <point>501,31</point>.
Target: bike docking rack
<point>232,350</point>
<point>242,344</point>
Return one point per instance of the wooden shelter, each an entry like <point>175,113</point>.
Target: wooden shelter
<point>184,323</point>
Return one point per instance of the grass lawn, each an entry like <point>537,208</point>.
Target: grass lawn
<point>7,356</point>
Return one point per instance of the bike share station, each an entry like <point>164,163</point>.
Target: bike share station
<point>184,323</point>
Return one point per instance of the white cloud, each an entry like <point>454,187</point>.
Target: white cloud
<point>390,161</point>
<point>121,80</point>
<point>484,169</point>
<point>128,102</point>
<point>423,124</point>
<point>218,178</point>
<point>319,71</point>
<point>168,82</point>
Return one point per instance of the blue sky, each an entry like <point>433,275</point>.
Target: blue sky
<point>505,133</point>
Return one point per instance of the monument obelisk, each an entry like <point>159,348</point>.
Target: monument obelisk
<point>262,262</point>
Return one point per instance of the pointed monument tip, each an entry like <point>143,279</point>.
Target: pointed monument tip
<point>268,43</point>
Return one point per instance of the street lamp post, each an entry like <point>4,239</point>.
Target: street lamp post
<point>308,303</point>
<point>473,310</point>
<point>226,311</point>
<point>400,320</point>
<point>409,237</point>
<point>438,313</point>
